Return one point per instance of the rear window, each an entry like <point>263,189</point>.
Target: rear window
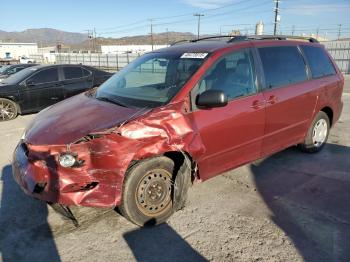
<point>72,72</point>
<point>283,65</point>
<point>320,63</point>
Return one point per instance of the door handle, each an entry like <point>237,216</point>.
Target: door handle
<point>257,104</point>
<point>54,98</point>
<point>272,99</point>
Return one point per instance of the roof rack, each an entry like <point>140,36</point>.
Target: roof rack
<point>271,37</point>
<point>240,38</point>
<point>200,39</point>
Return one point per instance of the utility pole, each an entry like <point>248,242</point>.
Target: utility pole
<point>293,30</point>
<point>152,41</point>
<point>94,40</point>
<point>277,17</point>
<point>317,32</point>
<point>199,22</point>
<point>339,31</point>
<point>89,37</point>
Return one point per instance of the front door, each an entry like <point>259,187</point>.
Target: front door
<point>232,135</point>
<point>41,90</point>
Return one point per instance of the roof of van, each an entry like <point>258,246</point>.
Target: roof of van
<point>202,46</point>
<point>212,44</point>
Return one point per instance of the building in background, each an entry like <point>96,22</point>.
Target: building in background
<point>17,50</point>
<point>259,28</point>
<point>120,49</point>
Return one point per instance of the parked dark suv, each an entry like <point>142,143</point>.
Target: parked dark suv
<point>184,113</point>
<point>37,87</point>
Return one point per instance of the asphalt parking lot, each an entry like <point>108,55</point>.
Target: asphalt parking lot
<point>288,207</point>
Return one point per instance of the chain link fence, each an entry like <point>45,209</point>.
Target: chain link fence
<point>340,51</point>
<point>107,62</point>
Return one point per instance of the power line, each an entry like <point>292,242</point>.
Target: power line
<point>143,21</point>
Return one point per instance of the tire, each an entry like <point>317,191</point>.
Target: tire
<point>152,192</point>
<point>8,109</point>
<point>317,134</point>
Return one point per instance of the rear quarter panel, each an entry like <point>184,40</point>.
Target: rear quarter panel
<point>330,94</point>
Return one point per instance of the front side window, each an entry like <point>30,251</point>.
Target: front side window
<point>283,65</point>
<point>320,63</point>
<point>45,76</point>
<point>232,74</point>
<point>149,81</point>
<point>72,72</point>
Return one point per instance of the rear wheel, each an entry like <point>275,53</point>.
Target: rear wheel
<point>8,109</point>
<point>148,191</point>
<point>317,134</point>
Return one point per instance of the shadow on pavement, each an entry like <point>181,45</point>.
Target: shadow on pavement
<point>25,234</point>
<point>160,243</point>
<point>309,196</point>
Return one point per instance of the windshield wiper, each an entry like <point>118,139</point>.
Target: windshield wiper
<point>113,101</point>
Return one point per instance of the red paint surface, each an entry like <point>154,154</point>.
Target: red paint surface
<point>217,139</point>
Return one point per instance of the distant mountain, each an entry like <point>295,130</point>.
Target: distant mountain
<point>43,36</point>
<point>158,39</point>
<point>49,37</point>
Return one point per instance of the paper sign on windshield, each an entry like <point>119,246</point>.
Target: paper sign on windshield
<point>194,55</point>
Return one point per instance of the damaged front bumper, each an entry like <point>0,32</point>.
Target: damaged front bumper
<point>98,182</point>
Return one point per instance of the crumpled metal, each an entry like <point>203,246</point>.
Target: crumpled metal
<point>107,158</point>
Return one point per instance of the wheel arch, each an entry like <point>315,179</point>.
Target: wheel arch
<point>329,111</point>
<point>179,158</point>
<point>19,109</point>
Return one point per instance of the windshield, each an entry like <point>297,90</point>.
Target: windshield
<point>150,81</point>
<point>19,76</point>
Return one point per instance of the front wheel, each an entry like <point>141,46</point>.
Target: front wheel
<point>148,191</point>
<point>8,109</point>
<point>317,134</point>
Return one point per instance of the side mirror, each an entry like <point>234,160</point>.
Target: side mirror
<point>211,98</point>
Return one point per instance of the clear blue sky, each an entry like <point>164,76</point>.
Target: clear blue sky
<point>123,18</point>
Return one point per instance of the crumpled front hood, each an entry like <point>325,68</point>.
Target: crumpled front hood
<point>72,119</point>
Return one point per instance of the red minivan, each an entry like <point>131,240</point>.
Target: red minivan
<point>183,113</point>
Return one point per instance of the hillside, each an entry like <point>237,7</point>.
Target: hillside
<point>43,36</point>
<point>49,37</point>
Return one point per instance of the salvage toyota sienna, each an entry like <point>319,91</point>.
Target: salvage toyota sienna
<point>183,113</point>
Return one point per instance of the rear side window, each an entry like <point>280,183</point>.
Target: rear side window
<point>86,72</point>
<point>72,72</point>
<point>283,65</point>
<point>45,76</point>
<point>320,63</point>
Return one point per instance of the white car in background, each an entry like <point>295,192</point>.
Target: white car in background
<point>26,60</point>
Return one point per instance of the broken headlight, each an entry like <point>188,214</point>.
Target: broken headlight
<point>67,160</point>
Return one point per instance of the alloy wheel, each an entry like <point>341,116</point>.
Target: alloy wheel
<point>7,110</point>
